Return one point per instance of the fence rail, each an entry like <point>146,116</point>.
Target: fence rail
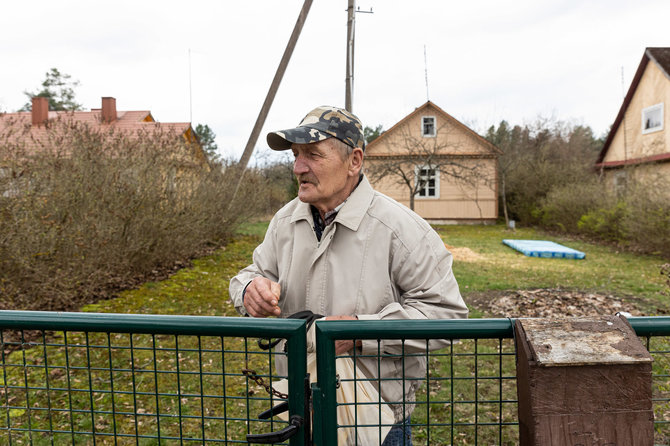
<point>86,378</point>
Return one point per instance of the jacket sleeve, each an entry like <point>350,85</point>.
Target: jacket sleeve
<point>264,264</point>
<point>428,288</point>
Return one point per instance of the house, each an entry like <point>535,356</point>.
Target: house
<point>437,166</point>
<point>638,144</point>
<point>24,134</point>
<point>32,128</point>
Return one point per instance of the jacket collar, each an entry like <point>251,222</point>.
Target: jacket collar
<point>352,212</point>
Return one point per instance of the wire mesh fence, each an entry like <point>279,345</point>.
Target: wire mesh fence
<point>467,395</point>
<point>66,386</point>
<point>131,379</point>
<point>655,332</point>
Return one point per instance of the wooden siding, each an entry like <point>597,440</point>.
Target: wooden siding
<point>456,200</point>
<point>654,88</point>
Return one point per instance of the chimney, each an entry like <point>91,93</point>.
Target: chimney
<point>108,110</point>
<point>40,110</point>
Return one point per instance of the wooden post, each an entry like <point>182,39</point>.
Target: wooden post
<point>583,382</point>
<point>265,109</point>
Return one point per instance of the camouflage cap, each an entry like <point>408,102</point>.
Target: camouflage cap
<point>321,123</point>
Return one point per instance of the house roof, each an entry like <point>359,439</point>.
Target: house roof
<point>130,121</point>
<point>447,116</point>
<point>661,57</point>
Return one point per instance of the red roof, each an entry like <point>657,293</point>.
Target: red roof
<point>126,121</point>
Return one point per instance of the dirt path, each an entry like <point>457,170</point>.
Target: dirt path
<point>551,303</point>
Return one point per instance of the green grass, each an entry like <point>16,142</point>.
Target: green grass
<point>604,270</point>
<point>202,289</point>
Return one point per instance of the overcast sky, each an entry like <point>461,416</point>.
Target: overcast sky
<point>487,60</point>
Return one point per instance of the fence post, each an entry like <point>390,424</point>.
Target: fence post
<point>584,381</point>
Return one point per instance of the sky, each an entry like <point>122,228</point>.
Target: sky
<point>212,62</point>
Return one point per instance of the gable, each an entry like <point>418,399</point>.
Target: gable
<point>629,142</point>
<point>452,138</point>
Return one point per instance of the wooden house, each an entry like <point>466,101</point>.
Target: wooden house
<point>638,144</point>
<point>437,166</point>
<point>25,134</point>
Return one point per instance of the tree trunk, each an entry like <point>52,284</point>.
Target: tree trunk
<point>504,199</point>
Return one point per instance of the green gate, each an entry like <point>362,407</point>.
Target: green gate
<point>85,378</point>
<point>468,392</point>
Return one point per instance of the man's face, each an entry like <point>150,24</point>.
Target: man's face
<point>323,176</point>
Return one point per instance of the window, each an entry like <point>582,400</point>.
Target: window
<point>652,118</point>
<point>428,126</point>
<point>620,181</point>
<point>428,180</point>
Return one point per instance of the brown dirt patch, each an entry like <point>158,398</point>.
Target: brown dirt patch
<point>463,254</point>
<point>549,303</point>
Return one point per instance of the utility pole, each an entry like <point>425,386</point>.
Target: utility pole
<point>265,109</point>
<point>351,29</point>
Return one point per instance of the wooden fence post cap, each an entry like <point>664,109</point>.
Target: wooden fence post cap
<point>582,341</point>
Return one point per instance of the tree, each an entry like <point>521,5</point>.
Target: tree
<point>538,158</point>
<point>507,141</point>
<point>371,134</point>
<point>59,89</point>
<point>207,139</point>
<point>415,161</point>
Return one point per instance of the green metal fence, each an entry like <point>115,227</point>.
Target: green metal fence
<point>468,393</point>
<point>82,378</point>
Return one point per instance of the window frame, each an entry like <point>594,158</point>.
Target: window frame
<point>417,176</point>
<point>650,109</point>
<point>423,133</point>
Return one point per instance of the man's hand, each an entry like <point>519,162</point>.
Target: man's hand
<point>343,345</point>
<point>261,298</point>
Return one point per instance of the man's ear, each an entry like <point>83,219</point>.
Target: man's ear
<point>355,162</point>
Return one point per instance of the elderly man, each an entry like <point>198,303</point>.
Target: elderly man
<point>343,250</point>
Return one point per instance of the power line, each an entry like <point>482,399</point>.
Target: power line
<point>425,64</point>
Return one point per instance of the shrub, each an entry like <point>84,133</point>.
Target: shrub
<point>89,211</point>
<point>564,206</point>
<point>648,219</point>
<point>605,222</point>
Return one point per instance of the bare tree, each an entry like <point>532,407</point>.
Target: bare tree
<point>415,162</point>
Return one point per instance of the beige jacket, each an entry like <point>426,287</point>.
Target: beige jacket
<point>378,260</point>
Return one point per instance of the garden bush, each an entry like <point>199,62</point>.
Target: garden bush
<point>87,212</point>
<point>565,205</point>
<point>647,221</point>
<point>636,217</point>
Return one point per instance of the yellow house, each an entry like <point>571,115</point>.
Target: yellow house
<point>639,142</point>
<point>437,166</point>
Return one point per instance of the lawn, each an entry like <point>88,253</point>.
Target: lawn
<point>494,266</point>
<point>482,265</point>
<point>487,265</point>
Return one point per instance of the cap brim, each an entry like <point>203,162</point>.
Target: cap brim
<point>283,139</point>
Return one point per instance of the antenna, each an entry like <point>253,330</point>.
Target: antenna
<point>425,64</point>
<point>190,90</point>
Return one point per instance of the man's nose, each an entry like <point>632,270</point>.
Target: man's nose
<point>300,166</point>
